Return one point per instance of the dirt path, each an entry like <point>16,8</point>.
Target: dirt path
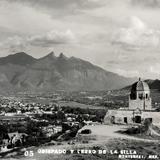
<point>153,131</point>
<point>106,132</point>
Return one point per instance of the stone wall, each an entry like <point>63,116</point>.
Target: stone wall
<point>123,116</point>
<point>154,115</point>
<point>119,116</point>
<point>138,103</point>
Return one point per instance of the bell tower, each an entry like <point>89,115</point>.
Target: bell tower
<point>139,97</point>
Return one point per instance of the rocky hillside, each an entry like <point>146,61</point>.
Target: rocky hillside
<point>23,72</point>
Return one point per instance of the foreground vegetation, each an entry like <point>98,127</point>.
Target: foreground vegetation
<point>141,147</point>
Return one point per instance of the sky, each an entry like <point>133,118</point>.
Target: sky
<point>121,36</point>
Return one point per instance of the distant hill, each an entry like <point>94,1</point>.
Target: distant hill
<point>22,72</point>
<point>153,85</point>
<point>20,58</point>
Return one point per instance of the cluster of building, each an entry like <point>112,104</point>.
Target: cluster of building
<point>51,119</point>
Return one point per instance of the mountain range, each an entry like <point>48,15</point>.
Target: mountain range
<point>22,72</point>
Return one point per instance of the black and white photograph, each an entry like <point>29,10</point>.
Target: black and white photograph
<point>80,79</point>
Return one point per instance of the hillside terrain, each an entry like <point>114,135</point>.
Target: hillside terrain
<point>153,84</point>
<point>22,72</point>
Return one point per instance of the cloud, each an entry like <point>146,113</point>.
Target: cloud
<point>24,19</point>
<point>136,36</point>
<point>39,25</point>
<point>69,6</point>
<point>155,68</point>
<point>146,3</point>
<point>14,44</point>
<point>51,38</point>
<point>128,73</point>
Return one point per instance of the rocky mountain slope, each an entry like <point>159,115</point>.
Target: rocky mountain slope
<point>23,72</point>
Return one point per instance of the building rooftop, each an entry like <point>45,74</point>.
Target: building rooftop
<point>140,86</point>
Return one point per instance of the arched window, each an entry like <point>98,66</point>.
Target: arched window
<point>140,95</point>
<point>133,96</point>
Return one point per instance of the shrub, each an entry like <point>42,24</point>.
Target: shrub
<point>86,131</point>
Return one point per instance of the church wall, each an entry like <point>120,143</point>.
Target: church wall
<point>119,116</point>
<point>138,103</point>
<point>154,115</point>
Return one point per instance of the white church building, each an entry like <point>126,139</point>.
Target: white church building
<point>139,109</point>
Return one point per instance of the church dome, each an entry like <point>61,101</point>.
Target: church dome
<point>140,86</point>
